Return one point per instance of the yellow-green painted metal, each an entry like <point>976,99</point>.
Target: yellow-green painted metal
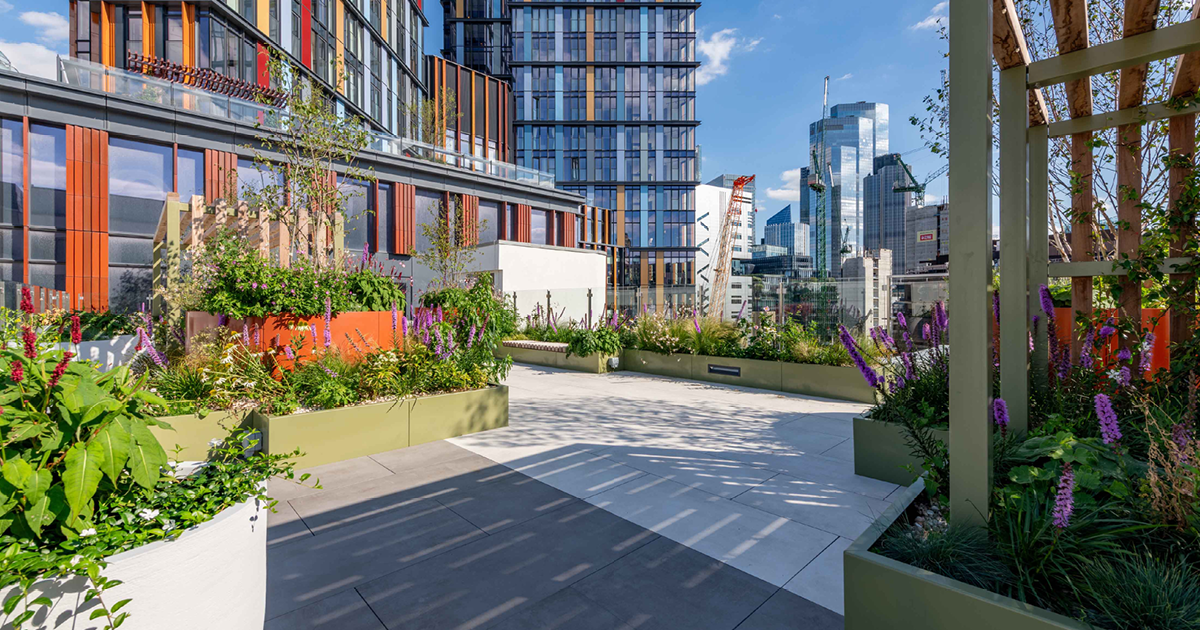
<point>594,364</point>
<point>1128,116</point>
<point>435,418</point>
<point>673,365</point>
<point>1014,247</point>
<point>753,373</point>
<point>881,451</point>
<point>827,381</point>
<point>335,435</point>
<point>1039,248</point>
<point>192,434</point>
<point>1120,53</point>
<point>883,593</point>
<point>971,260</point>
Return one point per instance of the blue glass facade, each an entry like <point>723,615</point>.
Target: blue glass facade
<point>605,99</point>
<point>852,137</point>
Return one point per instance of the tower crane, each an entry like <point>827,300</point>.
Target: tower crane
<point>915,187</point>
<point>818,168</point>
<point>724,259</point>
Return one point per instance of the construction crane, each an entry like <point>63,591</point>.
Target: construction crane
<point>817,179</point>
<point>724,254</point>
<point>915,187</point>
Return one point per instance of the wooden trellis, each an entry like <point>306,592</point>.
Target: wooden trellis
<point>977,34</point>
<point>184,226</point>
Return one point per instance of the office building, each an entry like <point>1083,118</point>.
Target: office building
<point>866,289</point>
<point>483,125</point>
<point>224,46</point>
<point>927,238</point>
<point>477,34</point>
<point>846,144</point>
<point>884,208</point>
<point>712,202</point>
<point>764,250</point>
<point>605,99</point>
<point>780,231</point>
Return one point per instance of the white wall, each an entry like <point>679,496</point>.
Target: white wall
<point>711,204</point>
<point>530,270</point>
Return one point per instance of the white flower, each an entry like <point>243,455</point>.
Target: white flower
<point>220,381</point>
<point>1114,375</point>
<point>148,514</point>
<point>91,531</point>
<point>77,559</point>
<point>169,525</point>
<point>215,442</point>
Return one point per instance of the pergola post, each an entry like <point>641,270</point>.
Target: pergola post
<point>1039,242</point>
<point>1082,212</point>
<point>165,263</point>
<point>1014,237</point>
<point>1181,139</point>
<point>970,260</point>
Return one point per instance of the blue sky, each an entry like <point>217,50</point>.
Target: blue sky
<point>764,61</point>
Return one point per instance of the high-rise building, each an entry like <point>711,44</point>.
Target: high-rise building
<point>848,141</point>
<point>867,288</point>
<point>606,100</point>
<point>377,44</point>
<point>712,202</point>
<point>477,34</point>
<point>884,208</point>
<point>783,216</point>
<point>927,236</point>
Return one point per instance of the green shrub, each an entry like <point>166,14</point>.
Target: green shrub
<point>585,342</point>
<point>1142,592</point>
<point>959,553</point>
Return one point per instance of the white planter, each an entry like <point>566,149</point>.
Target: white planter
<point>109,353</point>
<point>213,576</point>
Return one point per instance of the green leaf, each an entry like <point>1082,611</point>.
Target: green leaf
<point>16,471</point>
<point>5,523</point>
<point>82,475</point>
<point>24,432</point>
<point>39,515</point>
<point>146,455</point>
<point>37,484</point>
<point>114,441</point>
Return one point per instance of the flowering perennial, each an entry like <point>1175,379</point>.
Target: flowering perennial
<point>1064,502</point>
<point>60,369</point>
<point>851,347</point>
<point>1109,429</point>
<point>30,339</point>
<point>1000,414</point>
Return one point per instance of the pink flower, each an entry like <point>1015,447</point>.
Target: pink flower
<point>30,339</point>
<point>26,301</point>
<point>60,368</point>
<point>18,372</point>
<point>76,334</point>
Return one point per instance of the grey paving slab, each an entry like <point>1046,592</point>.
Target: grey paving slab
<point>304,571</point>
<point>344,611</point>
<point>668,585</point>
<point>421,456</point>
<point>564,610</point>
<point>817,505</point>
<point>329,477</point>
<point>835,473</point>
<point>791,612</point>
<point>843,451</point>
<point>504,574</point>
<point>346,506</point>
<point>821,581</point>
<point>285,524</point>
<point>508,502</point>
<point>832,424</point>
<point>581,474</point>
<point>715,473</point>
<point>767,546</point>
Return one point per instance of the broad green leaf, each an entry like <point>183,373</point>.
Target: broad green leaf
<point>16,471</point>
<point>24,432</point>
<point>4,524</point>
<point>39,515</point>
<point>37,484</point>
<point>53,440</point>
<point>8,397</point>
<point>149,397</point>
<point>146,455</point>
<point>82,475</point>
<point>114,441</point>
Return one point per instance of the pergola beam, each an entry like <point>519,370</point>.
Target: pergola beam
<point>1102,268</point>
<point>1010,50</point>
<point>1158,44</point>
<point>1107,120</point>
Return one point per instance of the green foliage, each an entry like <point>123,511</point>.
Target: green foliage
<point>960,553</point>
<point>93,325</point>
<point>585,342</point>
<point>374,291</point>
<point>1143,592</point>
<point>181,382</point>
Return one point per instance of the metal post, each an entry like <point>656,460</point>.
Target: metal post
<point>548,311</point>
<point>1039,243</point>
<point>589,319</point>
<point>1014,245</point>
<point>970,260</point>
<point>515,304</point>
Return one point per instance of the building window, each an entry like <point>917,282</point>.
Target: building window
<point>139,177</point>
<point>273,20</point>
<point>606,157</point>
<point>539,227</point>
<point>575,93</point>
<point>358,221</point>
<point>324,48</point>
<point>605,93</point>
<point>543,149</point>
<point>575,154</point>
<point>543,93</point>
<point>190,179</point>
<point>377,82</point>
<point>12,204</point>
<point>352,47</point>
<point>489,222</point>
<point>428,210</point>
<point>543,35</point>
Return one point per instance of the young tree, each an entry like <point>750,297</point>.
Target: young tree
<point>432,120</point>
<point>300,147</point>
<point>451,253</point>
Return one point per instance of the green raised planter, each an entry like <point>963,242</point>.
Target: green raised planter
<point>673,365</point>
<point>827,381</point>
<point>745,372</point>
<point>880,451</point>
<point>192,433</point>
<point>883,593</point>
<point>334,435</point>
<point>594,364</point>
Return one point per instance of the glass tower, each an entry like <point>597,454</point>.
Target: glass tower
<point>477,34</point>
<point>605,99</point>
<point>852,137</point>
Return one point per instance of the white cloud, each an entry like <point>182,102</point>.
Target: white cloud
<point>5,7</point>
<point>31,58</point>
<point>936,18</point>
<point>52,27</point>
<point>715,51</point>
<point>790,191</point>
<point>845,77</point>
<point>776,17</point>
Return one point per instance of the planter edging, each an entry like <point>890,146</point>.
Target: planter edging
<point>883,593</point>
<point>592,364</point>
<point>881,453</point>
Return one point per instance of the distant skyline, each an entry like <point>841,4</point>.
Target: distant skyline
<point>758,90</point>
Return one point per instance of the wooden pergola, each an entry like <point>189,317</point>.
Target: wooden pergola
<point>977,34</point>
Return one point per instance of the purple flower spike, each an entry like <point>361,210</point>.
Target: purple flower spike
<point>996,306</point>
<point>394,317</point>
<point>1124,376</point>
<point>1109,429</point>
<point>1107,331</point>
<point>1147,352</point>
<point>1000,414</point>
<point>222,320</point>
<point>257,335</point>
<point>1064,501</point>
<point>287,351</point>
<point>696,321</point>
<point>900,319</point>
<point>925,332</point>
<point>869,374</point>
<point>1124,354</point>
<point>245,333</point>
<point>1047,301</point>
<point>312,329</point>
<point>404,325</point>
